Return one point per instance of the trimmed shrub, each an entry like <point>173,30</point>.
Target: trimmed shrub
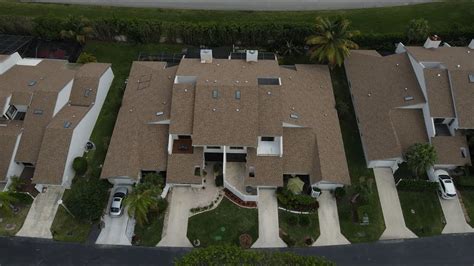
<point>87,198</point>
<point>300,202</point>
<point>417,185</point>
<point>339,193</point>
<point>304,220</point>
<point>292,220</point>
<point>85,58</point>
<point>465,182</point>
<point>80,165</point>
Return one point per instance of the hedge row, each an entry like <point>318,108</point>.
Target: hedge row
<point>465,182</point>
<point>416,185</point>
<point>265,34</point>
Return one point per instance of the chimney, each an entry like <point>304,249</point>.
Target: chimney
<point>471,44</point>
<point>252,55</point>
<point>432,42</point>
<point>206,56</point>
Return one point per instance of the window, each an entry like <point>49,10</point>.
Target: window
<point>214,147</point>
<point>215,94</point>
<point>237,95</point>
<point>236,148</point>
<point>268,81</point>
<point>268,138</point>
<point>197,171</point>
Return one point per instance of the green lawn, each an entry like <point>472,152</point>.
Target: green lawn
<point>422,212</point>
<point>16,219</point>
<point>223,225</point>
<point>379,20</point>
<point>150,234</point>
<point>297,232</point>
<point>66,228</point>
<point>351,227</point>
<point>468,201</point>
<point>121,56</point>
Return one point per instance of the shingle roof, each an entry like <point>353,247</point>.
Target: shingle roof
<point>439,93</point>
<point>449,150</point>
<point>181,167</point>
<point>378,86</point>
<point>463,94</point>
<point>9,131</point>
<point>268,169</point>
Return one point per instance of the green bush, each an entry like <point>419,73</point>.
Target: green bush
<point>339,192</point>
<point>417,185</point>
<point>161,205</point>
<point>85,58</point>
<point>465,182</point>
<point>80,165</point>
<point>87,198</point>
<point>292,220</point>
<point>304,220</point>
<point>233,255</point>
<point>219,181</point>
<point>300,202</point>
<point>22,198</point>
<point>288,240</point>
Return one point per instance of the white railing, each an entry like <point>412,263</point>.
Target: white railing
<point>240,194</point>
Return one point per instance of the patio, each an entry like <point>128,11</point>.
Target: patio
<point>235,176</point>
<point>183,146</point>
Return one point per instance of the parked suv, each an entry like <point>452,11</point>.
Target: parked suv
<point>116,207</point>
<point>446,185</point>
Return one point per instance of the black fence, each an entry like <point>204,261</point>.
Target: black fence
<point>10,44</point>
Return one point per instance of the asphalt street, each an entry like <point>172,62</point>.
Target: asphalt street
<point>439,250</point>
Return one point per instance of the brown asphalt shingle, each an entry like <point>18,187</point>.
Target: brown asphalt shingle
<point>463,92</point>
<point>449,150</point>
<point>439,93</point>
<point>9,131</point>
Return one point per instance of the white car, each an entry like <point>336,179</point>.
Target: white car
<point>117,201</point>
<point>446,185</point>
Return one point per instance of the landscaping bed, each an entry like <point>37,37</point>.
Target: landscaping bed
<point>298,230</point>
<point>12,223</point>
<point>150,234</point>
<point>224,225</point>
<point>422,212</point>
<point>351,215</point>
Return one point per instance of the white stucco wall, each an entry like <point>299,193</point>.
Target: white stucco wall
<point>83,130</point>
<point>14,168</point>
<point>5,105</point>
<point>429,123</point>
<point>12,60</point>
<point>392,163</point>
<point>63,97</point>
<point>420,75</point>
<point>324,185</point>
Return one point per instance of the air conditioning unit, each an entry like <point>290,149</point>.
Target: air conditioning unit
<point>432,42</point>
<point>206,56</point>
<point>252,55</point>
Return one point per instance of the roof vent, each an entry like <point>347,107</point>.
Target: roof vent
<point>206,56</point>
<point>252,55</point>
<point>409,98</point>
<point>31,83</point>
<point>294,115</point>
<point>471,44</point>
<point>471,78</point>
<point>87,92</point>
<point>38,112</point>
<point>237,110</point>
<point>268,81</point>
<point>214,109</point>
<point>67,124</point>
<point>237,95</point>
<point>215,94</point>
<point>458,66</point>
<point>432,42</point>
<point>159,113</point>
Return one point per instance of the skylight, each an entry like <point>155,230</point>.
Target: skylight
<point>268,81</point>
<point>237,95</point>
<point>471,78</point>
<point>67,124</point>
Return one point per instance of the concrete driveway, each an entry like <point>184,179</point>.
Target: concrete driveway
<point>329,222</point>
<point>454,215</point>
<point>268,229</point>
<point>117,230</point>
<point>395,227</point>
<point>41,214</point>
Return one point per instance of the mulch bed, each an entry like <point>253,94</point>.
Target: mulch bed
<point>232,197</point>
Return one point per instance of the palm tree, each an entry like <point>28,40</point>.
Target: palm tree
<point>139,202</point>
<point>6,201</point>
<point>332,41</point>
<point>420,157</point>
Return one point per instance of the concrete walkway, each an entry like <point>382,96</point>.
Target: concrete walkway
<point>41,214</point>
<point>329,222</point>
<point>395,227</point>
<point>454,215</point>
<point>268,228</point>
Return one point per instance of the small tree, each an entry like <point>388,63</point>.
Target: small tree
<point>420,157</point>
<point>332,41</point>
<point>139,204</point>
<point>87,198</point>
<point>6,201</point>
<point>417,30</point>
<point>85,58</point>
<point>80,165</point>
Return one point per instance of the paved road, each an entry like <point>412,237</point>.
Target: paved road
<point>422,251</point>
<point>395,227</point>
<point>244,4</point>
